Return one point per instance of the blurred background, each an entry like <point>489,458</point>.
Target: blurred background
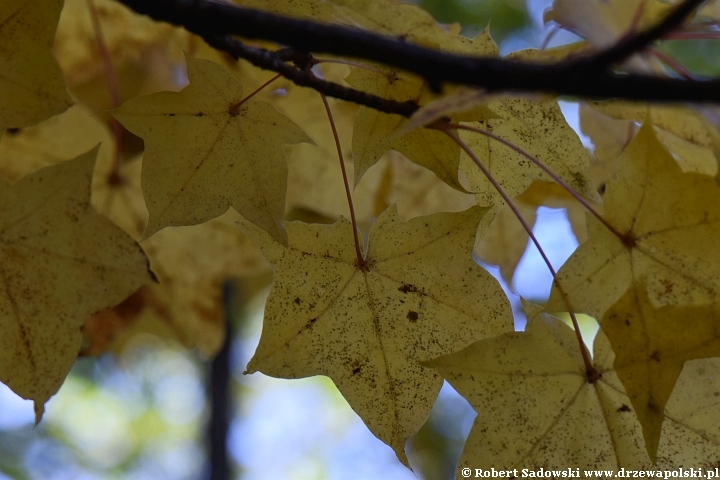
<point>149,411</point>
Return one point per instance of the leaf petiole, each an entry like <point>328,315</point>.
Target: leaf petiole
<point>447,129</point>
<point>358,251</point>
<point>234,108</point>
<point>623,238</point>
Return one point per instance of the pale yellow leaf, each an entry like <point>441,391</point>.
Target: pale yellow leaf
<point>367,327</point>
<point>61,262</point>
<point>651,346</point>
<point>610,136</point>
<point>540,129</point>
<point>57,139</point>
<point>191,265</point>
<point>689,136</point>
<point>206,150</point>
<point>536,408</point>
<point>417,191</point>
<point>31,83</point>
<point>115,194</point>
<point>128,37</point>
<point>375,133</point>
<point>669,223</point>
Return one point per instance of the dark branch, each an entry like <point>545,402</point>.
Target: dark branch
<point>495,75</point>
<point>275,61</point>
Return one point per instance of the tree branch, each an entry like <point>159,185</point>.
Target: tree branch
<point>573,77</point>
<point>275,61</point>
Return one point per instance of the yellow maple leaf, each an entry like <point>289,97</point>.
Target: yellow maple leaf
<point>207,149</point>
<point>416,191</point>
<point>603,22</point>
<point>690,137</point>
<point>651,346</point>
<point>610,136</point>
<point>375,132</point>
<point>669,223</point>
<point>31,83</point>
<point>57,139</point>
<point>537,126</point>
<point>61,262</point>
<point>536,407</point>
<point>187,303</point>
<point>367,327</point>
<point>116,195</point>
<point>128,38</point>
<point>315,179</point>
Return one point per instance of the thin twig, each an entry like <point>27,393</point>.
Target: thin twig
<point>349,63</point>
<point>268,60</point>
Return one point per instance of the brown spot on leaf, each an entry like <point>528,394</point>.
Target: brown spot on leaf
<point>308,325</point>
<point>624,408</point>
<point>408,288</point>
<point>412,316</point>
<point>655,356</point>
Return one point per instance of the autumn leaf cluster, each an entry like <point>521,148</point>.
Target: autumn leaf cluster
<point>144,168</point>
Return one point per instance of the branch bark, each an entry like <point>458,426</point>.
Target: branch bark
<point>587,77</point>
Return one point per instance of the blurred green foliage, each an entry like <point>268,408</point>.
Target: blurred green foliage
<point>503,16</point>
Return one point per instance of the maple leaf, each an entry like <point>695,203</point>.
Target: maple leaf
<point>52,282</point>
<point>610,136</point>
<point>651,346</point>
<point>186,304</point>
<point>207,149</point>
<point>310,166</point>
<point>604,22</point>
<point>375,132</point>
<point>31,82</point>
<point>128,38</point>
<point>416,191</point>
<point>115,194</point>
<point>366,328</point>
<point>59,138</point>
<point>665,255</point>
<point>536,407</point>
<point>690,137</point>
<point>537,126</point>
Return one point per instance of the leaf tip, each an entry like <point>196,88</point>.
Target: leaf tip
<point>39,411</point>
